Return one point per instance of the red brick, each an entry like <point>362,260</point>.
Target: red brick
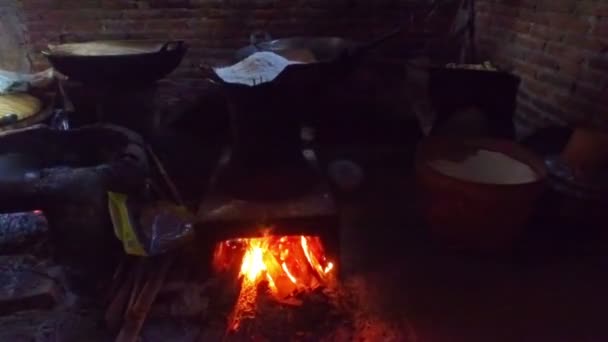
<point>178,13</point>
<point>546,32</point>
<point>534,17</point>
<point>39,4</point>
<point>34,15</point>
<point>522,68</point>
<point>580,108</point>
<point>530,115</point>
<point>565,52</point>
<point>169,24</point>
<point>528,41</point>
<point>549,106</point>
<point>594,44</point>
<point>600,29</point>
<point>123,25</point>
<point>522,4</point>
<point>483,6</point>
<point>535,88</point>
<point>543,60</point>
<point>563,6</point>
<point>141,13</point>
<point>592,8</point>
<point>557,81</point>
<point>521,26</point>
<point>506,10</point>
<point>80,26</point>
<point>117,4</point>
<point>44,26</point>
<point>594,78</point>
<point>589,93</point>
<point>569,68</point>
<point>569,22</point>
<point>599,63</point>
<point>482,22</point>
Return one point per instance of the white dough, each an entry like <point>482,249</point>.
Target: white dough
<point>258,68</point>
<point>487,167</point>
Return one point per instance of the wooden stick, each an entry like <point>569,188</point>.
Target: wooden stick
<point>118,280</point>
<point>138,313</point>
<point>138,275</point>
<point>115,311</point>
<point>176,195</point>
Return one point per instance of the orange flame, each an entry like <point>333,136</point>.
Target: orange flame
<point>287,263</point>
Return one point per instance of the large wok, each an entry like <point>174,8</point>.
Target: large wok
<point>324,49</point>
<point>116,62</point>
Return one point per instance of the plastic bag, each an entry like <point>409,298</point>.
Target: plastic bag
<point>12,82</point>
<point>148,229</point>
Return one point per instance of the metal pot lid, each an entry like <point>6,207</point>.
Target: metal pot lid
<point>108,48</point>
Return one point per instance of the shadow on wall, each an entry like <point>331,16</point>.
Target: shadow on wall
<point>13,56</point>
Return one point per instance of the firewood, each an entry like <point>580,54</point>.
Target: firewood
<point>170,184</point>
<point>118,279</point>
<point>139,311</point>
<point>138,274</point>
<point>115,311</point>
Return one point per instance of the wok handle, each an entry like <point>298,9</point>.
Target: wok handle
<point>63,38</point>
<point>172,46</point>
<point>253,37</point>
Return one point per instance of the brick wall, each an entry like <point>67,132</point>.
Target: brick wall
<point>213,28</point>
<point>560,50</point>
<point>12,38</point>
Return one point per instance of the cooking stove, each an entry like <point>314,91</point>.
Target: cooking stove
<point>266,179</point>
<point>129,105</point>
<point>225,215</point>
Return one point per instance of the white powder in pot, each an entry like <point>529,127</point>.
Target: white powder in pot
<point>487,167</point>
<point>258,68</point>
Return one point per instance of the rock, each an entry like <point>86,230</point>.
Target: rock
<point>26,286</point>
<point>21,230</point>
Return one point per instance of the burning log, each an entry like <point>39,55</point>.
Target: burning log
<point>272,268</point>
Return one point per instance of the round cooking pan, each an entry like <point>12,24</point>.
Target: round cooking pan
<point>324,49</point>
<point>116,62</point>
<point>45,112</point>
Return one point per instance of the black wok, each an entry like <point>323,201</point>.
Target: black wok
<point>324,49</point>
<point>139,61</point>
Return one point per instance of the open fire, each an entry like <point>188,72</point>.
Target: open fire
<point>288,265</point>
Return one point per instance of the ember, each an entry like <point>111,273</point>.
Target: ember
<point>288,264</point>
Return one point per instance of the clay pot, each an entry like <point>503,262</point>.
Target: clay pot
<point>586,153</point>
<point>469,215</point>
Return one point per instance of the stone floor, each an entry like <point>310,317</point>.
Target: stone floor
<point>551,288</point>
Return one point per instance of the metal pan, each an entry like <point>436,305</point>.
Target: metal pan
<point>324,49</point>
<point>116,62</point>
<point>48,104</point>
